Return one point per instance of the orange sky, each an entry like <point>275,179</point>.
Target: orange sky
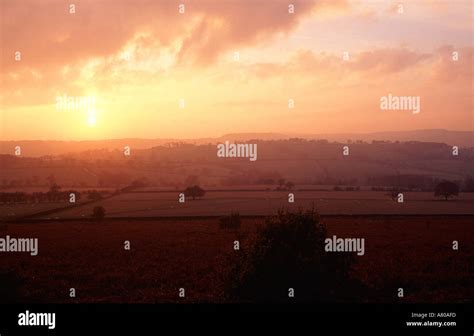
<point>139,59</point>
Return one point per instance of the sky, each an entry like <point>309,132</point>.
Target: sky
<point>155,69</point>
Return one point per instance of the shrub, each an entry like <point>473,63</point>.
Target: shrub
<point>289,253</point>
<point>98,213</point>
<point>194,191</point>
<point>446,189</point>
<point>289,185</point>
<point>394,193</point>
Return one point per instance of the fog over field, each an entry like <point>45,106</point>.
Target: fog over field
<point>292,174</point>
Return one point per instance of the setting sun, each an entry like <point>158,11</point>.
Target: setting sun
<point>227,75</point>
<point>91,119</point>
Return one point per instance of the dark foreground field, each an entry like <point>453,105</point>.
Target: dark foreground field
<point>412,252</point>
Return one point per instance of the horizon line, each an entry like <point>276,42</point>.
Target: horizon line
<point>291,135</point>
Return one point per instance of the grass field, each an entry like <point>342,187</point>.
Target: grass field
<point>9,211</point>
<point>259,203</point>
<point>413,252</point>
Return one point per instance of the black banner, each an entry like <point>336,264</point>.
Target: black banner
<point>403,319</point>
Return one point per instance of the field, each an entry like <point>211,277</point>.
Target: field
<point>259,203</point>
<point>9,211</point>
<point>413,252</point>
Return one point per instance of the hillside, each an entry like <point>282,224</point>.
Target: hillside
<point>36,148</point>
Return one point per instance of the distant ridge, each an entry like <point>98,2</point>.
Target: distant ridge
<point>455,138</point>
<point>253,136</point>
<point>36,148</point>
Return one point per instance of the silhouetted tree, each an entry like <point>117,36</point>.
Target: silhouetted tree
<point>98,213</point>
<point>394,193</point>
<point>289,252</point>
<point>194,191</point>
<point>446,189</point>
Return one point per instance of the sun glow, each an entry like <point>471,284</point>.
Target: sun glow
<point>91,119</point>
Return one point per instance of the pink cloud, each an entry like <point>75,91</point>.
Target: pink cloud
<point>46,33</point>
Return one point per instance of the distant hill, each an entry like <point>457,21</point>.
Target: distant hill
<point>412,165</point>
<point>253,136</point>
<point>454,138</point>
<point>35,148</point>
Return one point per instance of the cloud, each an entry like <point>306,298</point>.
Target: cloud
<point>237,24</point>
<point>176,56</point>
<point>448,69</point>
<point>46,33</point>
<point>388,60</point>
<point>376,63</point>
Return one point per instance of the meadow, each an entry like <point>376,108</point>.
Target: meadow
<point>413,252</point>
<point>259,203</point>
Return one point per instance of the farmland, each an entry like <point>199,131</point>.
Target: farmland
<point>9,211</point>
<point>413,252</point>
<point>259,203</point>
<point>177,244</point>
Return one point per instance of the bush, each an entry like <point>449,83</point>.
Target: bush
<point>98,213</point>
<point>394,193</point>
<point>289,253</point>
<point>231,222</point>
<point>446,189</point>
<point>194,191</point>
